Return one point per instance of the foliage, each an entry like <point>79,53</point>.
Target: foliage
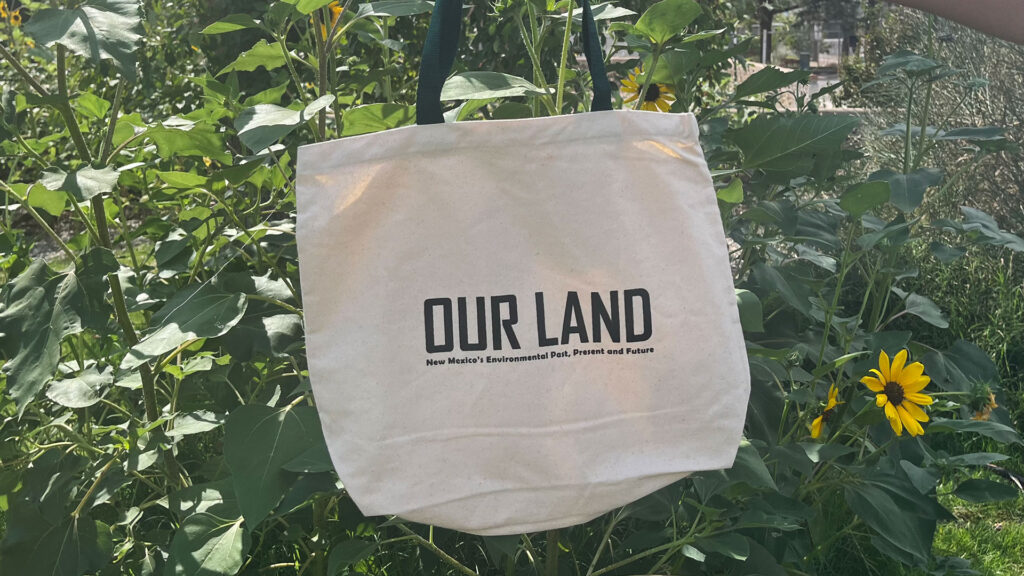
<point>157,411</point>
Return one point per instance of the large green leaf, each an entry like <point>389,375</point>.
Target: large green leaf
<point>994,430</point>
<point>81,391</point>
<point>262,54</point>
<point>927,310</point>
<point>902,528</point>
<point>907,190</point>
<point>39,543</point>
<point>981,490</point>
<point>264,124</point>
<point>40,309</point>
<point>83,184</point>
<point>393,8</point>
<point>196,312</point>
<point>666,19</point>
<point>206,545</point>
<point>862,197</point>
<point>231,23</point>
<point>376,117</point>
<point>189,140</point>
<point>751,311</point>
<point>781,141</point>
<point>768,79</point>
<point>258,442</point>
<point>349,552</point>
<point>98,30</point>
<point>480,85</point>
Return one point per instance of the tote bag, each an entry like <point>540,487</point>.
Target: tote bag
<point>518,325</point>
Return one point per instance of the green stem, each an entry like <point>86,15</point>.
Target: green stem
<point>64,107</point>
<point>108,142</point>
<point>531,50</point>
<point>562,62</point>
<point>908,139</point>
<point>551,558</point>
<point>648,76</point>
<point>440,553</point>
<point>13,61</point>
<point>39,220</point>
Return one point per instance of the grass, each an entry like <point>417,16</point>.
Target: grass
<point>990,535</point>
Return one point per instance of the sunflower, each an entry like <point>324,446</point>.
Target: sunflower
<point>986,410</point>
<point>658,97</point>
<point>336,10</point>
<point>3,9</point>
<point>16,18</point>
<point>820,421</point>
<point>898,388</point>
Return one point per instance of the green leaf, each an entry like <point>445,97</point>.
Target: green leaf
<point>481,85</point>
<point>907,190</point>
<point>193,141</point>
<point>40,309</point>
<point>751,311</point>
<point>231,23</point>
<point>81,391</point>
<point>393,8</point>
<point>83,184</point>
<point>730,545</point>
<point>750,468</point>
<point>376,117</point>
<point>976,459</point>
<point>308,6</point>
<point>973,134</point>
<point>315,459</point>
<point>902,528</point>
<point>183,180</point>
<point>666,19</point>
<point>780,141</point>
<point>92,105</point>
<point>768,79</point>
<point>52,202</point>
<point>98,30</point>
<point>261,54</point>
<point>945,254</point>
<point>264,124</point>
<point>195,423</point>
<point>200,311</point>
<point>347,553</point>
<point>981,490</point>
<point>205,545</point>
<point>994,430</point>
<point>258,442</point>
<point>925,309</point>
<point>862,197</point>
<point>36,544</point>
<point>733,193</point>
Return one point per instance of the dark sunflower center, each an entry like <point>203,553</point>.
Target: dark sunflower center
<point>652,93</point>
<point>894,392</point>
<point>827,415</point>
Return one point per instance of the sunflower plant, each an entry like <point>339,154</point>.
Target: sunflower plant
<point>149,178</point>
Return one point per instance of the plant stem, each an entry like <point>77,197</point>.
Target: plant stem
<point>108,142</point>
<point>64,107</point>
<point>92,488</point>
<point>13,61</point>
<point>551,558</point>
<point>559,91</point>
<point>908,138</point>
<point>440,553</point>
<point>648,76</point>
<point>39,220</point>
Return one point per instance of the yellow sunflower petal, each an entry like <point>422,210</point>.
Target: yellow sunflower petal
<point>917,385</point>
<point>915,411</point>
<point>629,83</point>
<point>883,366</point>
<point>632,98</point>
<point>894,418</point>
<point>881,400</point>
<point>664,89</point>
<point>816,426</point>
<point>918,398</point>
<point>910,373</point>
<point>661,104</point>
<point>897,365</point>
<point>649,106</point>
<point>912,426</point>
<point>873,384</point>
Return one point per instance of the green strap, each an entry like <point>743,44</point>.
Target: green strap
<point>444,37</point>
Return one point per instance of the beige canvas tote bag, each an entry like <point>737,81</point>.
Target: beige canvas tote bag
<point>518,325</point>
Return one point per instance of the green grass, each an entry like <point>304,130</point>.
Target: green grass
<point>990,535</point>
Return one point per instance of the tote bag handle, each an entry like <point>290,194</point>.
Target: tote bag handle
<point>442,43</point>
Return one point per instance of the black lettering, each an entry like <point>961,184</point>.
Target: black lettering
<point>601,315</point>
<point>645,305</point>
<point>481,326</point>
<point>498,323</point>
<point>572,322</point>
<point>428,323</point>
<point>542,338</point>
